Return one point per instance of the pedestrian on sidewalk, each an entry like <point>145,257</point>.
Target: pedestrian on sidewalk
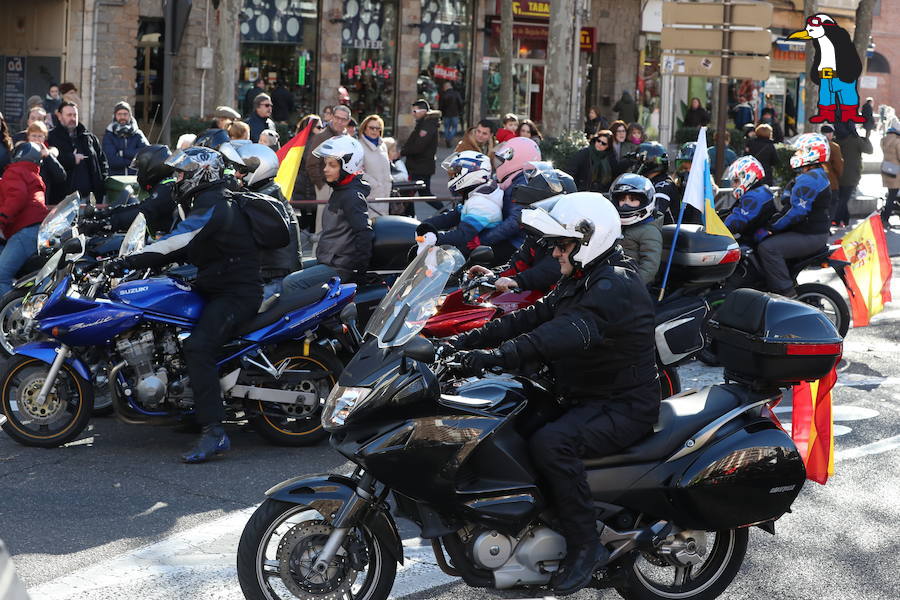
<point>890,168</point>
<point>594,122</point>
<point>259,120</point>
<point>80,154</point>
<point>696,115</point>
<point>626,108</point>
<point>621,145</point>
<point>527,128</point>
<point>6,145</point>
<point>868,115</point>
<point>852,148</point>
<point>420,148</point>
<point>315,167</point>
<point>762,148</point>
<point>122,140</point>
<point>451,106</point>
<point>376,164</point>
<point>834,168</point>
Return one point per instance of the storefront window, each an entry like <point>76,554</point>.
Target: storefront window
<point>368,51</point>
<point>649,88</point>
<point>530,42</point>
<point>278,43</point>
<point>445,45</point>
<point>148,68</point>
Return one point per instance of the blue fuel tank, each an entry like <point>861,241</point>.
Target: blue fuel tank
<point>161,295</point>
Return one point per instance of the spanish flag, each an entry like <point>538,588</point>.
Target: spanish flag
<point>290,156</point>
<point>869,274</point>
<point>812,426</point>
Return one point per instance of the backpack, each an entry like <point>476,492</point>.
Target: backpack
<point>268,217</point>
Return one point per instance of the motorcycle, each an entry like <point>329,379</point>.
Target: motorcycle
<point>451,454</point>
<point>275,373</point>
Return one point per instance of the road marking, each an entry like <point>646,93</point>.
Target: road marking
<point>879,447</point>
<point>200,563</point>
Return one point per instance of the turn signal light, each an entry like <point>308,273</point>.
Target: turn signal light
<point>813,349</point>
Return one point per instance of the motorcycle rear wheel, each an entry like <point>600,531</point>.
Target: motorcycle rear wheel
<point>280,538</point>
<point>296,426</point>
<point>59,419</point>
<point>829,301</point>
<point>643,578</point>
<point>669,382</point>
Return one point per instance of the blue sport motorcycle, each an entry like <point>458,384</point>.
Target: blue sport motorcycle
<point>276,373</point>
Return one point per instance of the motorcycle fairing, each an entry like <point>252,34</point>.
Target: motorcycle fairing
<point>46,352</point>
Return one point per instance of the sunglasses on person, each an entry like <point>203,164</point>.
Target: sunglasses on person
<point>602,142</point>
<point>266,104</point>
<point>374,128</point>
<point>561,243</point>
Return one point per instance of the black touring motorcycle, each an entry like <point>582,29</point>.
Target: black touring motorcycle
<point>451,455</point>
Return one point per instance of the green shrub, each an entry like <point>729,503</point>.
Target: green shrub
<point>782,171</point>
<point>193,125</point>
<point>560,150</point>
<point>689,134</point>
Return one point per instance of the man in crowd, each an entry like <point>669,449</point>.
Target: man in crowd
<point>259,87</point>
<point>259,121</point>
<point>283,102</point>
<point>451,106</point>
<point>80,154</point>
<point>122,140</point>
<point>420,148</point>
<point>479,138</point>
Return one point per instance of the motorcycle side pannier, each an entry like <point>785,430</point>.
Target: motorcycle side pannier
<point>767,340</point>
<point>394,236</point>
<point>699,257</point>
<point>679,324</point>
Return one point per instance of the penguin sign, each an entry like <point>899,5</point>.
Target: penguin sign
<point>836,69</point>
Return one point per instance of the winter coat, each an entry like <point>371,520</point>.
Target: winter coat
<point>592,126</point>
<point>314,165</point>
<point>120,151</point>
<point>21,197</point>
<point>280,261</point>
<point>622,150</point>
<point>626,108</point>
<point>468,143</point>
<point>890,146</point>
<point>532,267</point>
<point>509,230</point>
<point>743,114</point>
<point>504,135</point>
<point>595,331</point>
<point>88,176</point>
<point>642,242</point>
<point>159,209</point>
<point>588,172</point>
<point>51,104</point>
<point>852,149</point>
<point>258,125</point>
<point>450,103</point>
<point>752,211</point>
<point>420,148</point>
<point>54,176</point>
<point>347,235</point>
<point>377,173</point>
<point>866,113</point>
<point>282,104</point>
<point>764,151</point>
<point>462,227</point>
<point>5,158</point>
<point>696,117</point>
<point>835,166</point>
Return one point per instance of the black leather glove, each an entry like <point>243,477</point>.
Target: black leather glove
<point>447,346</point>
<point>94,226</point>
<point>476,362</point>
<point>424,228</point>
<point>116,267</point>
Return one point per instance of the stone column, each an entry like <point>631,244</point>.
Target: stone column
<point>329,52</point>
<point>409,18</point>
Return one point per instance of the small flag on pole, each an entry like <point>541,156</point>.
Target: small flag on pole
<point>812,426</point>
<point>699,190</point>
<point>869,274</point>
<point>290,156</point>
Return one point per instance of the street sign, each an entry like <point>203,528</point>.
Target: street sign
<point>751,14</point>
<point>753,42</point>
<point>696,65</point>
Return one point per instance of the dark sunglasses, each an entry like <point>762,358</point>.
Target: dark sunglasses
<point>561,243</point>
<point>266,104</point>
<point>602,142</point>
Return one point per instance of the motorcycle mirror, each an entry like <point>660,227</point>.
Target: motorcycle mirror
<point>349,314</point>
<point>419,349</point>
<point>482,255</point>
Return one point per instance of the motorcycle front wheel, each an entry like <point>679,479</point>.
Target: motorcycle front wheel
<point>62,415</point>
<point>705,564</point>
<point>12,324</point>
<point>281,542</point>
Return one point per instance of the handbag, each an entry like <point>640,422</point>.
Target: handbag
<point>890,168</point>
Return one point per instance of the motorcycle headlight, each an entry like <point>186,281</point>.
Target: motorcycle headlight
<point>342,401</point>
<point>34,305</point>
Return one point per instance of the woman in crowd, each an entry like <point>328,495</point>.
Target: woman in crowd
<point>6,145</point>
<point>37,113</point>
<point>593,168</point>
<point>52,172</point>
<point>696,115</point>
<point>594,122</point>
<point>621,146</point>
<point>762,148</point>
<point>528,129</point>
<point>376,164</point>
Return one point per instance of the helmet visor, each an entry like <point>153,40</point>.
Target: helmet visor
<point>539,169</point>
<point>539,222</point>
<point>181,161</point>
<point>501,154</point>
<point>448,165</point>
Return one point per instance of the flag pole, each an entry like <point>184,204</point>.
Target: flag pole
<point>662,291</point>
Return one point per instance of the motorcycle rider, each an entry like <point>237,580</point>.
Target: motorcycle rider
<point>217,238</point>
<point>802,226</point>
<point>755,202</point>
<point>256,166</point>
<point>532,266</point>
<point>470,175</point>
<point>595,331</point>
<point>651,160</point>
<point>634,198</point>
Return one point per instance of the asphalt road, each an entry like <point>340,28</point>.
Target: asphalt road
<point>119,488</point>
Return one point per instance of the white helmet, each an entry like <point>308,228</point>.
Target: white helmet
<point>260,162</point>
<point>344,149</point>
<point>586,217</point>
<point>467,170</point>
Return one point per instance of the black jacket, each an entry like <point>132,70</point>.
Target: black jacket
<point>54,176</point>
<point>532,267</point>
<point>450,103</point>
<point>95,164</point>
<point>282,104</point>
<point>581,170</point>
<point>159,208</point>
<point>258,125</point>
<point>420,148</point>
<point>764,151</point>
<point>347,235</point>
<point>596,333</point>
<point>281,261</point>
<point>216,237</point>
<point>696,117</point>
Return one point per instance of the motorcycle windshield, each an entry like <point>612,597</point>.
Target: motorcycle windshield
<point>58,221</point>
<point>413,298</point>
<point>135,236</point>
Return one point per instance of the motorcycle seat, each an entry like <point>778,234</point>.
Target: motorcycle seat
<point>680,417</point>
<point>286,303</point>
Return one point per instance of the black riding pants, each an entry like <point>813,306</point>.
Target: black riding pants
<point>591,429</point>
<point>220,319</point>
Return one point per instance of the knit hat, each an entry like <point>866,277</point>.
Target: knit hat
<point>421,103</point>
<point>122,106</point>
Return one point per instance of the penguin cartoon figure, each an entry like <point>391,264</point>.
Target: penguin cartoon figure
<point>836,68</point>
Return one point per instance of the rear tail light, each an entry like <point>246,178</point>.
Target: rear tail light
<point>731,256</point>
<point>813,349</point>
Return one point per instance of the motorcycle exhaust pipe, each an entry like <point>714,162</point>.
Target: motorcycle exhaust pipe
<point>123,411</point>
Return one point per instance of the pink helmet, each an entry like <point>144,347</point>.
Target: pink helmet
<point>512,156</point>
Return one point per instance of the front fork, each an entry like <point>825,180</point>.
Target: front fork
<point>346,517</point>
<point>62,353</point>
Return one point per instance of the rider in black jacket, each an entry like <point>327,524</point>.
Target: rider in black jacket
<point>216,237</point>
<point>595,331</point>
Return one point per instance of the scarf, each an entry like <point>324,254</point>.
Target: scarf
<point>375,141</point>
<point>601,171</point>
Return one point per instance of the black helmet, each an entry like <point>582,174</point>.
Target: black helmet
<point>212,138</point>
<point>632,183</point>
<point>150,164</point>
<point>685,155</point>
<point>650,157</point>
<point>202,167</point>
<point>542,181</point>
<point>27,152</point>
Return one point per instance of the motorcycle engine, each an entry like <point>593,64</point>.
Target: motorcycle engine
<point>137,351</point>
<point>528,559</point>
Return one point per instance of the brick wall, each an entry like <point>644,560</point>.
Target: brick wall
<point>617,24</point>
<point>115,75</point>
<point>886,36</point>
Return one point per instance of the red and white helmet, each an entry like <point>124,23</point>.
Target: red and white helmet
<point>512,156</point>
<point>811,149</point>
<point>743,174</point>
